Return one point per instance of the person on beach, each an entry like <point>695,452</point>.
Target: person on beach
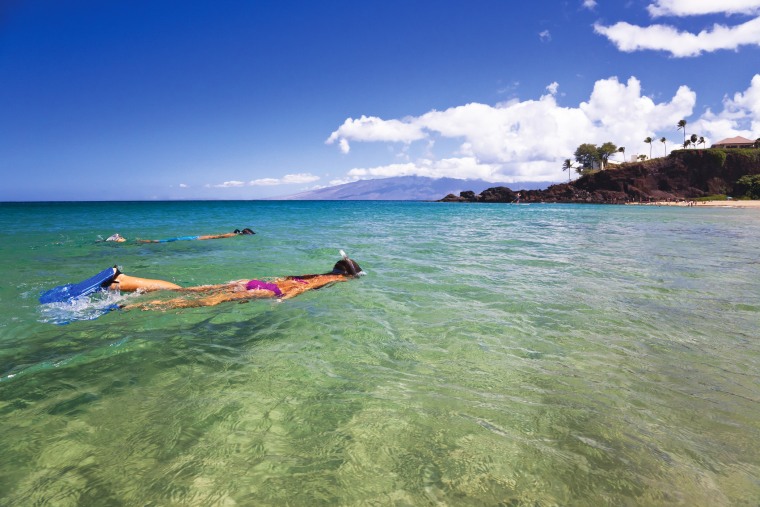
<point>239,290</point>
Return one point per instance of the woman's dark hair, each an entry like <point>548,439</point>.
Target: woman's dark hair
<point>346,267</point>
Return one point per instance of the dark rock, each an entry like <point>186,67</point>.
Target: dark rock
<point>684,174</point>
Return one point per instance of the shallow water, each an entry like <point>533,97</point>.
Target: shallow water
<point>492,355</point>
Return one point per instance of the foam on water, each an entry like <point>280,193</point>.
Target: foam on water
<point>88,307</point>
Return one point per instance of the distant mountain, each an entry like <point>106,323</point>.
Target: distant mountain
<point>404,188</point>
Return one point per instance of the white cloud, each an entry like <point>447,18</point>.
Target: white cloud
<point>183,185</point>
<point>702,7</point>
<point>629,38</point>
<point>545,36</point>
<point>264,182</point>
<point>371,128</point>
<point>740,116</point>
<point>230,184</point>
<point>299,178</point>
<point>528,140</point>
<point>681,44</point>
<point>288,179</point>
<point>589,4</point>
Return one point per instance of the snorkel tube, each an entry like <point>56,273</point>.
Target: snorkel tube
<point>350,263</point>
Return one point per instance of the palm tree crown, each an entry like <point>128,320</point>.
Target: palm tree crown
<point>649,140</point>
<point>682,125</point>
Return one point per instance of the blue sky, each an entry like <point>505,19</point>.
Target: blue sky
<point>252,99</point>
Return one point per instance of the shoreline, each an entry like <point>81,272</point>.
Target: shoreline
<point>701,204</point>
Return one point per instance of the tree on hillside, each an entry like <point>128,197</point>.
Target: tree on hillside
<point>686,144</point>
<point>694,140</point>
<point>622,150</point>
<point>605,151</point>
<point>757,142</point>
<point>567,166</point>
<point>682,125</point>
<point>752,184</point>
<point>702,141</point>
<point>664,143</point>
<point>649,140</point>
<point>642,157</point>
<point>587,155</point>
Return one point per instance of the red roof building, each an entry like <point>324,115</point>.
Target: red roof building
<point>735,142</point>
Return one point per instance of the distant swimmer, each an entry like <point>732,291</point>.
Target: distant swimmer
<point>118,238</point>
<point>236,232</point>
<point>239,290</point>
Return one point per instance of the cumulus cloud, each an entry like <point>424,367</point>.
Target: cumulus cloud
<point>288,179</point>
<point>528,140</point>
<point>183,185</point>
<point>680,43</point>
<point>230,184</point>
<point>545,36</point>
<point>589,4</point>
<point>702,7</point>
<point>371,128</point>
<point>629,38</point>
<point>740,115</point>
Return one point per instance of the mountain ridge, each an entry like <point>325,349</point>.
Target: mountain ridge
<point>402,188</point>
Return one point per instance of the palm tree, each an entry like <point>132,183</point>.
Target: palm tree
<point>682,125</point>
<point>566,166</point>
<point>664,143</point>
<point>694,140</point>
<point>702,141</point>
<point>686,143</point>
<point>622,150</point>
<point>649,140</point>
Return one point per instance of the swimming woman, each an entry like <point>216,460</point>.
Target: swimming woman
<point>239,290</point>
<point>118,238</point>
<point>236,232</point>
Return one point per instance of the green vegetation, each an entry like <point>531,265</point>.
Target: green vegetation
<point>751,183</point>
<point>717,197</point>
<point>713,156</point>
<point>591,156</point>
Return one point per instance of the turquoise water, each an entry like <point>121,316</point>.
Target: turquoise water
<point>493,355</point>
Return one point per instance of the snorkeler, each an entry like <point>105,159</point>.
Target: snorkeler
<point>239,290</point>
<point>117,238</point>
<point>237,232</point>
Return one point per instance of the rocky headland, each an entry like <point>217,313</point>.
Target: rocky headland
<point>683,175</point>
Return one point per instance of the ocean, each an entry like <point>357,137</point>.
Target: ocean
<point>509,355</point>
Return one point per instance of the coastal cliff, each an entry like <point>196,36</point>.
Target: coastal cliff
<point>684,174</point>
